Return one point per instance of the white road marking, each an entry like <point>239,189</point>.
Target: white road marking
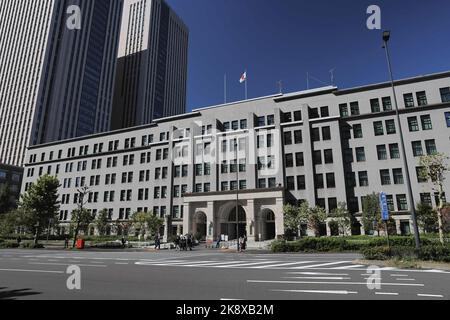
<point>68,264</point>
<point>386,293</point>
<point>403,279</point>
<point>337,283</point>
<point>240,265</point>
<point>122,263</point>
<point>430,295</point>
<point>282,264</point>
<point>318,274</point>
<point>225,299</point>
<point>343,292</point>
<point>322,265</point>
<point>319,278</point>
<point>33,271</point>
<point>212,264</point>
<point>399,275</point>
<point>349,267</point>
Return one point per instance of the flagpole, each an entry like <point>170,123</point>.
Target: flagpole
<point>225,88</point>
<point>246,79</point>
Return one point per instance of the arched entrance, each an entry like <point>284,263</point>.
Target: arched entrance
<point>270,224</point>
<point>199,228</point>
<point>231,226</point>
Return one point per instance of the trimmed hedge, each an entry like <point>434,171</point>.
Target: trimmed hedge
<point>426,253</point>
<point>31,245</point>
<point>8,245</point>
<point>110,245</point>
<point>315,245</point>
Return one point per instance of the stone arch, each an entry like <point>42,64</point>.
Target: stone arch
<point>268,225</point>
<point>228,223</point>
<point>200,225</point>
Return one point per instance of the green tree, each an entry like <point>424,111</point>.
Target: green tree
<point>102,221</point>
<point>17,220</point>
<point>41,202</point>
<point>81,219</point>
<point>292,219</point>
<point>146,221</point>
<point>343,218</point>
<point>371,212</point>
<point>316,219</point>
<point>5,199</point>
<point>427,218</point>
<point>434,167</point>
<point>154,224</point>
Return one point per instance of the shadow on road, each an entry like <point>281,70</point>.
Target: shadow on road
<point>13,294</point>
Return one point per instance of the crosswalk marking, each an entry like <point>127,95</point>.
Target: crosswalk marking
<point>246,264</point>
<point>322,265</point>
<point>282,264</point>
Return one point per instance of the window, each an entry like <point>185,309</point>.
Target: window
<point>299,159</point>
<point>413,124</point>
<point>417,148</point>
<point>314,113</point>
<point>381,152</point>
<point>387,103</point>
<point>298,137</point>
<point>437,198</point>
<point>378,128</point>
<point>226,126</point>
<point>289,160</point>
<point>233,166</point>
<point>198,188</point>
<point>259,142</point>
<point>328,154</point>
<point>326,133</point>
<point>301,182</point>
<point>235,125</point>
<point>375,105</point>
<point>224,186</point>
<point>426,122</point>
<point>354,108</point>
<point>360,154</point>
<point>332,204</point>
<point>402,203</point>
<point>422,98</point>
<point>315,134</point>
<point>390,202</point>
<point>363,179</point>
<point>343,109</point>
<point>447,119</point>
<point>297,116</point>
<point>390,127</point>
<point>398,176</point>
<point>331,181</point>
<point>287,138</point>
<point>260,121</point>
<point>385,177</point>
<point>420,176</point>
<point>357,131</point>
<point>317,157</point>
<point>233,185</point>
<point>244,124</point>
<point>324,112</point>
<point>430,146</point>
<point>242,165</point>
<point>445,94</point>
<point>261,163</point>
<point>262,184</point>
<point>290,182</point>
<point>425,198</point>
<point>242,185</point>
<point>409,100</point>
<point>198,170</point>
<point>287,117</point>
<point>394,151</point>
<point>318,180</point>
<point>272,183</point>
<point>270,120</point>
<point>184,171</point>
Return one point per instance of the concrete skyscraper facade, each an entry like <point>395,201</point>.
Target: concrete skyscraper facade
<point>152,66</point>
<point>55,82</point>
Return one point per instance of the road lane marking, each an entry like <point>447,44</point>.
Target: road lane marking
<point>343,292</point>
<point>318,274</point>
<point>349,267</point>
<point>403,279</point>
<point>337,283</point>
<point>212,264</point>
<point>386,293</point>
<point>68,264</point>
<point>33,271</point>
<point>240,265</point>
<point>397,275</point>
<point>321,265</point>
<point>282,264</point>
<point>430,295</point>
<point>318,278</point>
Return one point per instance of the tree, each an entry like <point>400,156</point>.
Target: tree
<point>154,224</point>
<point>5,199</point>
<point>427,218</point>
<point>343,218</point>
<point>146,221</point>
<point>102,221</point>
<point>41,202</point>
<point>15,221</point>
<point>435,168</point>
<point>291,219</point>
<point>316,219</point>
<point>371,212</point>
<point>81,219</point>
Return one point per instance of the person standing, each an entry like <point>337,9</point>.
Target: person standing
<point>66,242</point>
<point>157,242</point>
<point>177,243</point>
<point>189,242</point>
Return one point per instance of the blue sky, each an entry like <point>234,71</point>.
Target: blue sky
<point>284,39</point>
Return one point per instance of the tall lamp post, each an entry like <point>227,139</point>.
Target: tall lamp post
<point>386,37</point>
<point>237,192</point>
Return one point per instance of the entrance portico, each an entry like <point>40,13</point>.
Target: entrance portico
<point>214,214</point>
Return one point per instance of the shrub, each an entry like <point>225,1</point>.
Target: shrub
<point>110,245</point>
<point>315,245</point>
<point>8,245</point>
<point>398,241</point>
<point>426,253</point>
<point>31,245</point>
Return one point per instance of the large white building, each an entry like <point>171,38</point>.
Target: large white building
<point>55,83</point>
<point>324,146</point>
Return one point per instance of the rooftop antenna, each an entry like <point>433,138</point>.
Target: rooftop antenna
<point>332,76</point>
<point>280,86</point>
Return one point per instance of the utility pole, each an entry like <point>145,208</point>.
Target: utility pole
<point>237,193</point>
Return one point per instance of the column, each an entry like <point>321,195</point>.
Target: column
<point>167,227</point>
<point>251,221</point>
<point>328,227</point>
<point>279,218</point>
<point>187,218</point>
<point>398,226</point>
<point>363,231</point>
<point>210,223</point>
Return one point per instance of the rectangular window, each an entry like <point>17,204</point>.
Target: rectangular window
<point>314,113</point>
<point>298,137</point>
<point>381,152</point>
<point>259,142</point>
<point>363,179</point>
<point>287,117</point>
<point>409,100</point>
<point>378,128</point>
<point>413,124</point>
<point>244,124</point>
<point>430,146</point>
<point>394,151</point>
<point>287,138</point>
<point>447,119</point>
<point>398,176</point>
<point>331,181</point>
<point>301,182</point>
<point>390,127</point>
<point>262,184</point>
<point>326,133</point>
<point>426,122</point>
<point>224,186</point>
<point>299,159</point>
<point>425,198</point>
<point>343,109</point>
<point>233,185</point>
<point>242,185</point>
<point>324,112</point>
<point>289,160</point>
<point>328,154</point>
<point>421,98</point>
<point>375,105</point>
<point>385,177</point>
<point>235,125</point>
<point>354,108</point>
<point>290,182</point>
<point>387,103</point>
<point>272,183</point>
<point>357,131</point>
<point>417,148</point>
<point>360,154</point>
<point>297,116</point>
<point>402,203</point>
<point>315,134</point>
<point>318,179</point>
<point>270,120</point>
<point>420,176</point>
<point>445,94</point>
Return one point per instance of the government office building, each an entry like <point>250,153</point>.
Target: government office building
<point>324,146</point>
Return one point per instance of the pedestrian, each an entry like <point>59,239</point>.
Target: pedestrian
<point>183,243</point>
<point>19,240</point>
<point>219,239</point>
<point>157,242</point>
<point>244,243</point>
<point>177,243</point>
<point>66,242</point>
<point>241,242</point>
<point>123,242</point>
<point>189,242</point>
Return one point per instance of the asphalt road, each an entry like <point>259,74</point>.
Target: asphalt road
<point>208,275</point>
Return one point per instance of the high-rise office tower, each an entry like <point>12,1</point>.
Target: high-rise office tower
<point>152,66</point>
<point>56,82</point>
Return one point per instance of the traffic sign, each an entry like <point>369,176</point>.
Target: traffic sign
<point>384,207</point>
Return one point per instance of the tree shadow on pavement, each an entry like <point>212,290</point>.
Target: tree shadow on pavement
<point>13,294</point>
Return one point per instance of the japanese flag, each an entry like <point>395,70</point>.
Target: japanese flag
<point>243,77</point>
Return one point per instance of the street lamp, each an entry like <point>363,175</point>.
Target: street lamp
<point>237,192</point>
<point>386,38</point>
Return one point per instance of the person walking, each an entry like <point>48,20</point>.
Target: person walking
<point>189,242</point>
<point>66,242</point>
<point>219,240</point>
<point>177,243</point>
<point>157,242</point>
